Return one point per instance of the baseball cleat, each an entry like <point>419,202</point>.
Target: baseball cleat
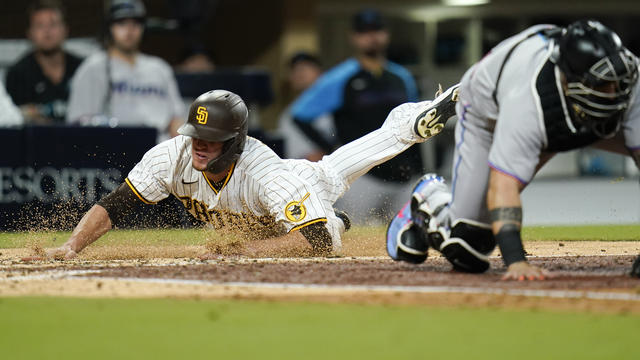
<point>405,241</point>
<point>430,196</point>
<point>431,121</point>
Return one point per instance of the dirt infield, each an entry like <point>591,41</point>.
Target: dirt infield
<point>586,278</point>
<point>589,275</point>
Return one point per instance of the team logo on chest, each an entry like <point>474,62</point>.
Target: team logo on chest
<point>295,210</point>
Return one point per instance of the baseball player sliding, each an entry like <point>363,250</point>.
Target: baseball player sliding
<point>228,179</point>
<point>545,90</point>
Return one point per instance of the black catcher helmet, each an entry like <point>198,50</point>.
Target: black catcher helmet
<point>219,116</point>
<point>600,74</point>
<point>125,9</point>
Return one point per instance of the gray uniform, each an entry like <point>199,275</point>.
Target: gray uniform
<point>142,94</point>
<point>510,132</point>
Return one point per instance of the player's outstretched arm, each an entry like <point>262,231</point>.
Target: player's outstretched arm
<point>109,211</point>
<point>505,206</point>
<point>91,227</point>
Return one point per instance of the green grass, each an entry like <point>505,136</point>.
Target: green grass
<point>72,328</point>
<point>582,233</point>
<point>200,237</point>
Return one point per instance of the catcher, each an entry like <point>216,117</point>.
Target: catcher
<point>545,90</point>
<point>228,179</point>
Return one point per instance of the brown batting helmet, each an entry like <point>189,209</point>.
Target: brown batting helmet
<point>219,116</point>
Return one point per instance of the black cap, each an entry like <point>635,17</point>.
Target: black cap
<point>301,56</point>
<point>126,9</point>
<point>367,20</point>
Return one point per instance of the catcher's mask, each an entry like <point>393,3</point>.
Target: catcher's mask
<point>600,75</point>
<point>219,116</point>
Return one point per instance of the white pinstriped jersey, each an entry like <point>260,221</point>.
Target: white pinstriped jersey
<point>260,189</point>
<point>264,195</point>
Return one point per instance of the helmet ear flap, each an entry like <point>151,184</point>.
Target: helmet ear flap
<point>230,153</point>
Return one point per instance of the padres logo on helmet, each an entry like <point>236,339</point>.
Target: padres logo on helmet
<point>203,115</point>
<point>295,210</point>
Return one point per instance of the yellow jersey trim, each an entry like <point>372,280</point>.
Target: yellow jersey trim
<point>308,223</point>
<point>226,180</point>
<point>126,180</point>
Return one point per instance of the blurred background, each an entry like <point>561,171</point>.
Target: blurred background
<point>247,46</point>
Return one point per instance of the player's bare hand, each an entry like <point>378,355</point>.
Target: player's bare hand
<point>63,252</point>
<point>522,270</point>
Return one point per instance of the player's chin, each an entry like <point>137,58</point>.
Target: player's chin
<point>200,166</point>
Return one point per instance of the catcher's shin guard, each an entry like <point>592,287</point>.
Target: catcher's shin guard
<point>405,241</point>
<point>428,200</point>
<point>468,246</point>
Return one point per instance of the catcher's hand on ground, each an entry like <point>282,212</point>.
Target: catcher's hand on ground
<point>522,270</point>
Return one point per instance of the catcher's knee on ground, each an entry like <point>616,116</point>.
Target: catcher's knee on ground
<point>468,247</point>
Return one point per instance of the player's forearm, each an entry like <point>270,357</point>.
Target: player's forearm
<point>505,207</point>
<point>93,224</point>
<point>503,193</point>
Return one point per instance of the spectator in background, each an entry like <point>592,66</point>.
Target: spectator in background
<point>196,60</point>
<point>9,113</point>
<point>304,69</point>
<point>123,87</point>
<point>39,81</point>
<point>359,93</point>
<point>192,16</point>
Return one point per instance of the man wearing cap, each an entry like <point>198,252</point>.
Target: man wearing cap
<point>39,82</point>
<point>123,87</point>
<point>359,93</point>
<point>304,70</point>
